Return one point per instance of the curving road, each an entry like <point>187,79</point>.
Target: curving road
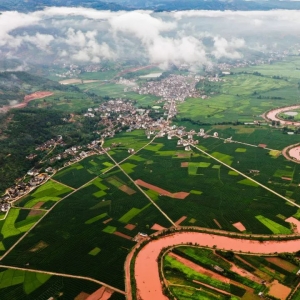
<point>148,284</point>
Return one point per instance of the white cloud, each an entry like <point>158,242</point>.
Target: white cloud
<point>183,37</point>
<point>225,48</point>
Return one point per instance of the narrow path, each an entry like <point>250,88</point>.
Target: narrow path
<point>242,143</point>
<point>27,232</point>
<point>120,162</point>
<point>137,186</point>
<point>29,208</point>
<point>200,289</point>
<point>244,175</point>
<point>65,275</point>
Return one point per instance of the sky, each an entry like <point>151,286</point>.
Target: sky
<point>194,38</point>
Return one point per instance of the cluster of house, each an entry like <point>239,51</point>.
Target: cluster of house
<point>72,70</point>
<point>49,144</point>
<point>120,113</point>
<point>174,87</point>
<point>22,188</point>
<point>186,138</point>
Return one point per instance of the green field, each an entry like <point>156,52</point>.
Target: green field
<point>18,284</point>
<point>184,280</point>
<point>50,191</point>
<point>273,226</point>
<point>16,223</point>
<point>243,97</point>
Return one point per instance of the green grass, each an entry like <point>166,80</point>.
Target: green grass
<point>129,215</point>
<point>30,280</point>
<point>195,192</point>
<point>109,229</point>
<point>227,159</point>
<point>8,228</point>
<point>106,75</point>
<point>154,147</point>
<point>297,214</point>
<point>241,150</point>
<point>99,194</point>
<point>128,167</point>
<point>49,191</point>
<point>95,251</point>
<point>249,182</point>
<point>115,181</point>
<point>284,173</point>
<point>275,153</point>
<point>95,219</point>
<point>273,226</point>
<point>152,194</point>
<point>234,173</point>
<point>193,168</point>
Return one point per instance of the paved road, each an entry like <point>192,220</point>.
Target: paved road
<point>26,233</point>
<point>236,142</point>
<point>120,162</point>
<point>65,275</point>
<point>244,175</point>
<point>142,191</point>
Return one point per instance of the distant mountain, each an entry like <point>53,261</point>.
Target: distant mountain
<point>32,5</point>
<point>167,5</point>
<point>156,5</point>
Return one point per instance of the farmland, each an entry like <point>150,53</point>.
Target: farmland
<point>20,284</point>
<point>15,224</point>
<point>45,195</point>
<point>219,274</point>
<point>96,210</point>
<point>241,97</point>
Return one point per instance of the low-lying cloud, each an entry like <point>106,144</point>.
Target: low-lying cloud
<point>193,38</point>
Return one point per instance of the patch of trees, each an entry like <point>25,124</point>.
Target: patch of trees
<point>28,128</point>
<point>268,97</point>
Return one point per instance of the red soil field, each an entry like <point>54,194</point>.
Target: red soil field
<point>27,98</point>
<point>262,145</point>
<point>295,222</point>
<point>146,267</point>
<point>103,293</point>
<point>179,195</point>
<point>130,226</point>
<point>184,164</point>
<point>37,95</point>
<point>34,212</point>
<point>239,226</point>
<point>178,222</point>
<point>126,189</point>
<point>282,263</point>
<point>157,227</point>
<point>125,236</point>
<point>106,221</point>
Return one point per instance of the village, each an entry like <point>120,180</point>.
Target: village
<point>115,116</point>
